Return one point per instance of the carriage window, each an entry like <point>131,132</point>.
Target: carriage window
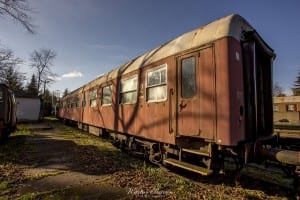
<point>72,103</point>
<point>64,104</point>
<point>77,101</point>
<point>83,100</point>
<point>93,98</point>
<point>106,95</point>
<point>128,92</point>
<point>1,96</point>
<point>69,102</point>
<point>188,82</point>
<point>157,84</point>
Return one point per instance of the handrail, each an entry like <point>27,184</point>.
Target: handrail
<point>170,110</point>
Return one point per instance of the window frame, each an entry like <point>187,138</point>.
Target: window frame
<point>102,95</point>
<point>195,78</point>
<point>129,91</point>
<point>69,103</point>
<point>159,68</point>
<point>77,101</point>
<point>83,102</point>
<point>93,94</point>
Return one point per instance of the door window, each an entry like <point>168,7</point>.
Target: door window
<point>188,81</point>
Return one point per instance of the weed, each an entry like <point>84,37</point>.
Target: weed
<point>52,194</point>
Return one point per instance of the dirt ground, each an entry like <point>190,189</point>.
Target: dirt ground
<point>51,166</point>
<point>54,161</point>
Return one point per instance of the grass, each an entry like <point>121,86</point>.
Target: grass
<point>98,156</point>
<point>286,127</point>
<point>56,194</point>
<point>152,182</point>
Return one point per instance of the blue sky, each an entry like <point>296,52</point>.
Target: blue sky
<point>91,37</point>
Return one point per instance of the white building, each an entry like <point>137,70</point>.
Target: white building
<point>28,108</point>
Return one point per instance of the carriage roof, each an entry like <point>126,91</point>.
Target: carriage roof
<point>230,26</point>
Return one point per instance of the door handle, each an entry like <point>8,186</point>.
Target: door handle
<point>181,105</point>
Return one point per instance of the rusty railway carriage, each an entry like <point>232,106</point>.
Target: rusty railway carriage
<point>7,112</point>
<point>188,103</point>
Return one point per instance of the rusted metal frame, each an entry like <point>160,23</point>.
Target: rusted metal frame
<point>178,57</point>
<point>215,92</point>
<point>176,96</point>
<point>170,150</point>
<point>255,86</point>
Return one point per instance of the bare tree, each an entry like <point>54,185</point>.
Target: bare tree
<point>278,90</point>
<point>20,11</point>
<point>42,62</point>
<point>7,60</point>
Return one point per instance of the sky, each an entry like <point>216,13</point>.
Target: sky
<point>92,37</point>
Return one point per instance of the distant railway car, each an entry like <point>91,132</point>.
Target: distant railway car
<point>189,102</point>
<point>7,112</point>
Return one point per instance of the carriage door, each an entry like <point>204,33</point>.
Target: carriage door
<point>196,94</point>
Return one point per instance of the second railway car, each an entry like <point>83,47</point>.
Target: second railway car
<point>7,112</point>
<point>189,102</point>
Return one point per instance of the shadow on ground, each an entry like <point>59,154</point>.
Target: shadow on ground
<point>63,163</point>
<point>52,161</point>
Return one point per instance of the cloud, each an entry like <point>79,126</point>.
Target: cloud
<point>55,78</point>
<point>73,74</point>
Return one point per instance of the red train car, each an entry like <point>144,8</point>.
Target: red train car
<point>7,112</point>
<point>188,102</point>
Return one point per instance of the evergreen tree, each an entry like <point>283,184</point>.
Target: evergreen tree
<point>66,92</point>
<point>32,86</point>
<point>13,78</point>
<point>296,88</point>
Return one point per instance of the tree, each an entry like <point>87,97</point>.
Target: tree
<point>42,61</point>
<point>13,78</point>
<point>278,90</point>
<point>47,103</point>
<point>20,11</point>
<point>66,92</point>
<point>296,89</point>
<point>8,70</point>
<point>7,59</point>
<point>32,86</point>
